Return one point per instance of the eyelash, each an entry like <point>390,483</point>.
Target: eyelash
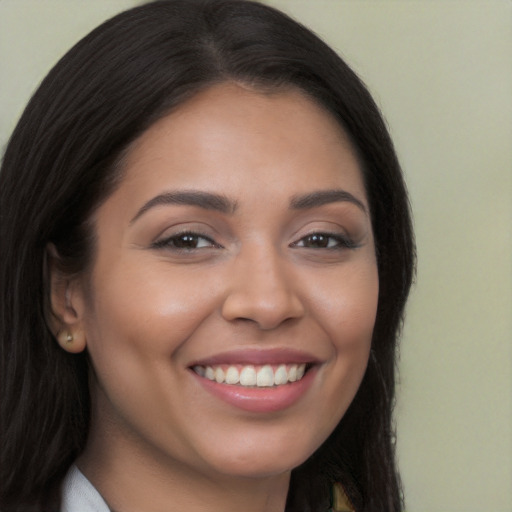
<point>341,241</point>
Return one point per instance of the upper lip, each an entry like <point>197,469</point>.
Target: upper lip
<point>258,357</point>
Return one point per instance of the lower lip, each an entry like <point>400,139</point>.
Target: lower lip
<point>270,399</point>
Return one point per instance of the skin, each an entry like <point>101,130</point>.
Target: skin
<point>147,311</point>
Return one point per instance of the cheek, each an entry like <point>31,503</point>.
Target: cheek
<point>138,320</point>
<point>139,315</point>
<point>347,306</point>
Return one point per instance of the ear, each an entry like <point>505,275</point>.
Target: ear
<point>66,304</point>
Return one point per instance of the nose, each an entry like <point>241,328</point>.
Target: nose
<point>261,289</point>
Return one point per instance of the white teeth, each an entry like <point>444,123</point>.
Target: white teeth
<point>249,376</point>
<point>219,375</point>
<point>209,373</point>
<point>232,375</point>
<point>265,377</point>
<point>281,375</point>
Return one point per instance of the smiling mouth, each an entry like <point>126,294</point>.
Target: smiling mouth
<point>253,376</point>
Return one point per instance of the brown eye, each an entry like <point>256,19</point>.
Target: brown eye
<point>185,242</point>
<point>325,241</point>
<point>317,241</point>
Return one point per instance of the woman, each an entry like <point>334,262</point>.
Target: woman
<point>206,252</point>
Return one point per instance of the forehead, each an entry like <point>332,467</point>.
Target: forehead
<point>228,134</point>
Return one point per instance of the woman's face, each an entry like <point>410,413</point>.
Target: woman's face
<point>238,247</point>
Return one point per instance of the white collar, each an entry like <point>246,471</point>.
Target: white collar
<point>79,495</point>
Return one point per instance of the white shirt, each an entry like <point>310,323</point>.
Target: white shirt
<point>79,495</point>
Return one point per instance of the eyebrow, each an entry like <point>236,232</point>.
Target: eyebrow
<point>220,203</point>
<point>205,200</point>
<point>321,197</point>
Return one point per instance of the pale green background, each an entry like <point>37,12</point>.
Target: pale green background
<point>442,72</point>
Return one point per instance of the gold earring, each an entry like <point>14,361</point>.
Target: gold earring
<point>65,338</point>
<point>73,342</point>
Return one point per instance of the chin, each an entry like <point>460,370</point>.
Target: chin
<point>263,460</point>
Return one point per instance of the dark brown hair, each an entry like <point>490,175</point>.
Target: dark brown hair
<point>60,164</point>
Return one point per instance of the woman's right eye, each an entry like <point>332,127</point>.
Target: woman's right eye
<point>185,242</point>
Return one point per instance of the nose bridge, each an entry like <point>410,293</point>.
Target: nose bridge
<point>261,287</point>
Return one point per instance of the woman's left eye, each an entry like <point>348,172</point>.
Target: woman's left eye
<point>185,242</point>
<point>325,241</point>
